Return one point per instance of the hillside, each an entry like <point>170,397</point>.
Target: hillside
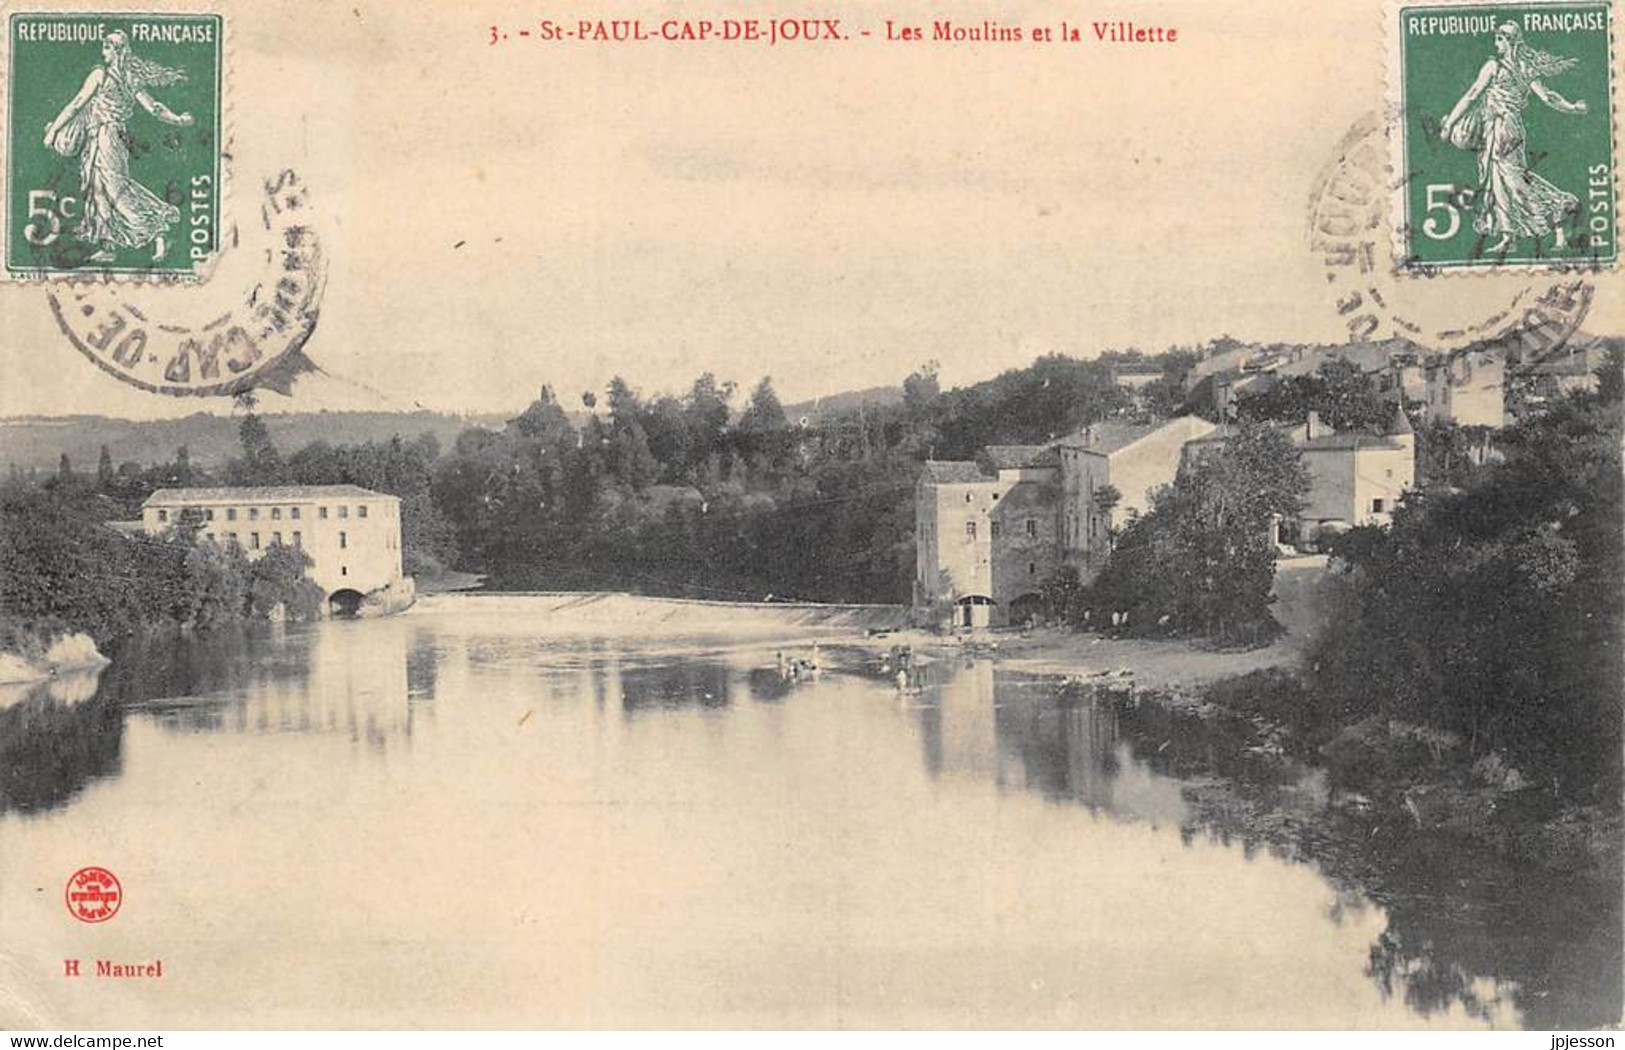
<point>39,441</point>
<point>821,408</point>
<point>30,442</point>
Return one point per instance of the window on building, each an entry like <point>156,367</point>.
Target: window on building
<point>967,497</point>
<point>276,538</point>
<point>361,512</point>
<point>344,512</point>
<point>253,514</point>
<point>321,512</point>
<point>970,530</point>
<point>231,513</point>
<point>1376,506</point>
<point>344,540</point>
<point>254,540</point>
<point>1032,528</point>
<point>293,512</point>
<point>208,515</point>
<point>276,513</point>
<point>995,529</point>
<point>344,570</point>
<point>298,538</point>
<point>231,538</point>
<point>163,515</point>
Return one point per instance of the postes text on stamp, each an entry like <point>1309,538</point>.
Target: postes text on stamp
<point>113,162</point>
<point>1505,135</point>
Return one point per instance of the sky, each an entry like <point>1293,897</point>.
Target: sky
<point>832,216</point>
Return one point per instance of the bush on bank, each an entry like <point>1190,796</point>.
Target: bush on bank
<point>67,571</point>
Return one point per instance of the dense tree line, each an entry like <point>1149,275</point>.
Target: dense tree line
<point>67,570</point>
<point>1494,610</point>
<point>694,494</point>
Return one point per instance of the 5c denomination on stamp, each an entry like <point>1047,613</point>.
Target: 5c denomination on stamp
<point>113,163</point>
<point>1505,135</point>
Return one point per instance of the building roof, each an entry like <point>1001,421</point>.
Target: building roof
<point>953,472</point>
<point>260,494</point>
<point>1572,365</point>
<point>1352,441</point>
<point>1109,436</point>
<point>1014,457</point>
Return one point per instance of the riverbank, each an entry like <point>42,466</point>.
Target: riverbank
<point>1170,664</point>
<point>27,658</point>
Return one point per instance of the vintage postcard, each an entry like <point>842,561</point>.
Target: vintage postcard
<point>1050,515</point>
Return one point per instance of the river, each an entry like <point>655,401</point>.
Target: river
<point>459,817</point>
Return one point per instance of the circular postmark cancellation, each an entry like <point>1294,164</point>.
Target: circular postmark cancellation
<point>241,331</point>
<point>94,895</point>
<point>1528,315</point>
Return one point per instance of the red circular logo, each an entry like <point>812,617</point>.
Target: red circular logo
<point>94,895</point>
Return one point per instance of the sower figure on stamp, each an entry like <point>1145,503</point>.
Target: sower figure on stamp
<point>1513,200</point>
<point>118,211</point>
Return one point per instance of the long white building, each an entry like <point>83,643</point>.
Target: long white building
<point>351,534</point>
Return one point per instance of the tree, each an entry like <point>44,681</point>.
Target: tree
<point>705,416</point>
<point>1611,371</point>
<point>1450,454</point>
<point>261,463</point>
<point>764,413</point>
<point>104,471</point>
<point>1203,556</point>
<point>921,389</point>
<point>543,419</point>
<point>1494,611</point>
<point>276,580</point>
<point>1107,498</point>
<point>64,468</point>
<point>1340,392</point>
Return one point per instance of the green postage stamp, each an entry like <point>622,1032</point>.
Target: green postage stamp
<point>1505,137</point>
<point>113,144</point>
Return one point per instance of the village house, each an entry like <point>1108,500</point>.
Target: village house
<point>1355,478</point>
<point>986,535</point>
<point>1535,385</point>
<point>992,530</point>
<point>1125,460</point>
<point>1467,388</point>
<point>351,535</point>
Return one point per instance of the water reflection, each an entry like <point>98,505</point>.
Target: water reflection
<point>1013,730</point>
<point>851,780</point>
<point>676,685</point>
<point>1465,930</point>
<point>55,738</point>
